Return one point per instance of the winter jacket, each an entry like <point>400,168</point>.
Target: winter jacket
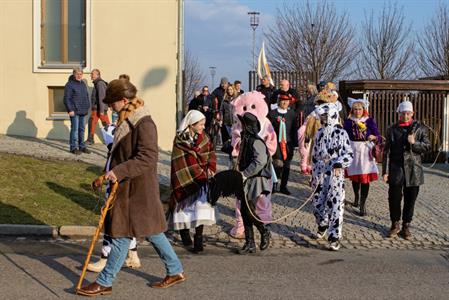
<point>227,111</point>
<point>98,94</point>
<point>137,210</point>
<point>76,97</point>
<point>267,92</point>
<point>402,161</point>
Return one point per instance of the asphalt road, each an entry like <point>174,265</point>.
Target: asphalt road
<point>32,269</point>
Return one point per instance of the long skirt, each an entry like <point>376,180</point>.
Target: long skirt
<point>199,212</point>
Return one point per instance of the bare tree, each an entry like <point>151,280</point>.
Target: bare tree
<point>311,39</point>
<point>433,45</point>
<point>194,76</point>
<point>385,49</point>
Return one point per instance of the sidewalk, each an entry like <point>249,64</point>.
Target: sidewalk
<point>430,226</point>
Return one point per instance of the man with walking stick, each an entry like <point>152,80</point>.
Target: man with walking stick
<point>137,210</point>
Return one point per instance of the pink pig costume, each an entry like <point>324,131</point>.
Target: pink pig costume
<point>254,103</point>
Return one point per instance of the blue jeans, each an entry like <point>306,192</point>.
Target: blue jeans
<point>77,127</point>
<point>119,250</point>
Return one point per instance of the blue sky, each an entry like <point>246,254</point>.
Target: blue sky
<point>217,32</point>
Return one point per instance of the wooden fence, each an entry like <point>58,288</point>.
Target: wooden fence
<point>297,80</point>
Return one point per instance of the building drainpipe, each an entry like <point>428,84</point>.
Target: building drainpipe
<point>446,127</point>
<point>180,57</point>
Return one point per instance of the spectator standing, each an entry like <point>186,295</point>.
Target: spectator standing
<point>267,89</point>
<point>99,108</point>
<point>238,88</point>
<point>76,101</point>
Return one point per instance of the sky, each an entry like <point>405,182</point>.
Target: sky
<point>218,33</point>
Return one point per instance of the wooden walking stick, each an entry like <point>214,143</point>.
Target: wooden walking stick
<point>96,184</point>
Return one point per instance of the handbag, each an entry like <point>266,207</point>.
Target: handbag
<point>378,150</point>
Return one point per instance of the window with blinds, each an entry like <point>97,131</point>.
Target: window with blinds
<point>63,33</point>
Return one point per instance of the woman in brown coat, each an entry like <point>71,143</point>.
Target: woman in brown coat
<point>137,210</point>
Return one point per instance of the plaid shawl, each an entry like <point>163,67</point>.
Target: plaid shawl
<point>190,163</point>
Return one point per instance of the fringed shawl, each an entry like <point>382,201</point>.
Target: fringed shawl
<point>190,162</point>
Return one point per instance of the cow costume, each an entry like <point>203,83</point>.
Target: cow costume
<point>331,153</point>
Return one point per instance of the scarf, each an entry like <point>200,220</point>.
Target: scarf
<point>405,124</point>
<point>129,109</point>
<point>190,162</point>
<point>282,135</point>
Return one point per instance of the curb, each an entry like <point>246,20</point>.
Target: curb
<point>15,230</point>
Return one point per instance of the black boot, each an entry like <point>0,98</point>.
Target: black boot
<point>356,201</point>
<point>198,240</point>
<point>362,212</point>
<point>250,245</point>
<point>356,189</point>
<point>265,236</point>
<point>363,197</point>
<point>185,237</point>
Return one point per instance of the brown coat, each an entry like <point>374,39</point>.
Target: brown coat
<point>137,211</point>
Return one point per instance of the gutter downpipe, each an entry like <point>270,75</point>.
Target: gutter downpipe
<point>180,57</point>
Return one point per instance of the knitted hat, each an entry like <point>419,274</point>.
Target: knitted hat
<point>405,106</point>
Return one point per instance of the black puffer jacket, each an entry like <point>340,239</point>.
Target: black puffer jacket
<point>402,161</point>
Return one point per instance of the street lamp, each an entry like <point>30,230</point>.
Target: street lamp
<point>254,22</point>
<point>212,75</point>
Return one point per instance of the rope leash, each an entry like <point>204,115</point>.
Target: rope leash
<point>285,216</point>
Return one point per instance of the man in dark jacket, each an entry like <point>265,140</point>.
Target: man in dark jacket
<point>284,123</point>
<point>402,169</point>
<point>296,104</point>
<point>99,109</point>
<point>267,89</point>
<point>218,94</point>
<point>76,101</point>
<point>137,211</point>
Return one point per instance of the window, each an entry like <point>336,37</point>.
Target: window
<point>56,102</point>
<point>62,34</point>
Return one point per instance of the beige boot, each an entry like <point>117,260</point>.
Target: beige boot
<point>98,266</point>
<point>132,261</point>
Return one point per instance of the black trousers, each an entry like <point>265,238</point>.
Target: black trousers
<point>283,172</point>
<point>248,219</point>
<point>395,193</point>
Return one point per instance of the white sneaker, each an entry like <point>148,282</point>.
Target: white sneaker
<point>334,246</point>
<point>98,266</point>
<point>320,235</point>
<point>132,261</point>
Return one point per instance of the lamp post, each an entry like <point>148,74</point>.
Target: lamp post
<point>254,22</point>
<point>212,75</point>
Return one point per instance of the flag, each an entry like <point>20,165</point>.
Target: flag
<point>262,65</point>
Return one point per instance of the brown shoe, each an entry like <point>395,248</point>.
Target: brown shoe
<point>169,281</point>
<point>405,232</point>
<point>94,289</point>
<point>394,230</point>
